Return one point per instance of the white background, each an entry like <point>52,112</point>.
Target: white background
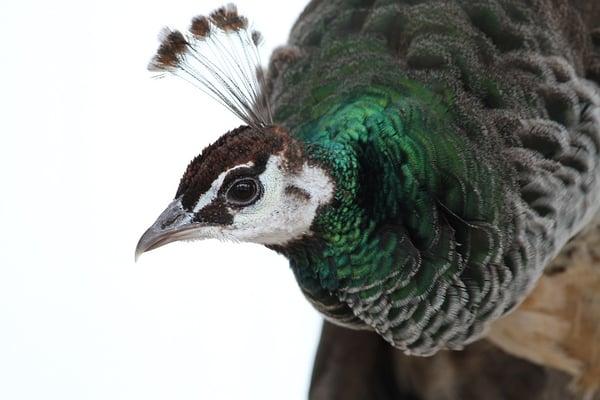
<point>92,150</point>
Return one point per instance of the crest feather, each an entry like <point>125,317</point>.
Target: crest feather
<point>220,55</point>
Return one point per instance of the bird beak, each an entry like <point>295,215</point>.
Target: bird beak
<point>175,223</point>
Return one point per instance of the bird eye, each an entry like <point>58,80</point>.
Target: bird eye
<point>244,192</point>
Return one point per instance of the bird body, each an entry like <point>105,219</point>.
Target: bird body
<point>420,163</point>
<point>467,151</point>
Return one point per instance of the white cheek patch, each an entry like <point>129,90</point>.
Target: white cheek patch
<point>213,191</point>
<point>314,181</point>
<point>281,216</point>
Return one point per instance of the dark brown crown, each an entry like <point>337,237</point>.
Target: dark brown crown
<point>236,147</point>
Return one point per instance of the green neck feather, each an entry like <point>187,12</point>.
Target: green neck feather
<point>448,202</point>
<point>408,208</point>
<point>396,161</point>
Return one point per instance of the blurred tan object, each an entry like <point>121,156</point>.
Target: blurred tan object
<point>558,325</point>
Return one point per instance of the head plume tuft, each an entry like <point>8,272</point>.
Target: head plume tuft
<point>228,19</point>
<point>257,38</point>
<point>200,27</point>
<point>170,52</point>
<point>220,56</point>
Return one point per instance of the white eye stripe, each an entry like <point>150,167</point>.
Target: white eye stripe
<point>211,194</point>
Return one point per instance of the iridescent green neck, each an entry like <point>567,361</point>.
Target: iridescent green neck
<point>410,200</point>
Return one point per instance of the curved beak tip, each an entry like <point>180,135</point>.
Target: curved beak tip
<point>137,256</point>
<point>150,240</point>
<point>140,249</point>
<point>172,225</point>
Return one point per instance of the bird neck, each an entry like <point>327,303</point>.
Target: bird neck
<point>402,192</point>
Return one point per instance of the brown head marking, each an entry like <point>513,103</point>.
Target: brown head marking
<point>236,147</point>
<point>297,192</point>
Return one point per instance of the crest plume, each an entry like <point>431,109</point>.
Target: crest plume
<point>219,55</point>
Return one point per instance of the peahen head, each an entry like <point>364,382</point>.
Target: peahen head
<point>250,185</point>
<point>255,183</point>
<point>381,209</point>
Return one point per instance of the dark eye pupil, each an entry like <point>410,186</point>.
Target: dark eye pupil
<point>243,192</point>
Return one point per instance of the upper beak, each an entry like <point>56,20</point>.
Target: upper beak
<point>175,223</point>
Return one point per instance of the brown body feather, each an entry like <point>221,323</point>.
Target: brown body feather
<point>559,323</point>
<point>359,365</point>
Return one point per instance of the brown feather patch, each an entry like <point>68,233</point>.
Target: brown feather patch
<point>257,38</point>
<point>558,325</point>
<point>236,147</point>
<point>297,192</point>
<point>172,47</point>
<point>228,19</point>
<point>215,213</point>
<point>200,27</point>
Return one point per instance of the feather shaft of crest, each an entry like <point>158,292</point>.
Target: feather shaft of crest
<point>220,56</point>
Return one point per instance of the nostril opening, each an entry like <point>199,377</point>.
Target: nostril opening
<point>171,221</point>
